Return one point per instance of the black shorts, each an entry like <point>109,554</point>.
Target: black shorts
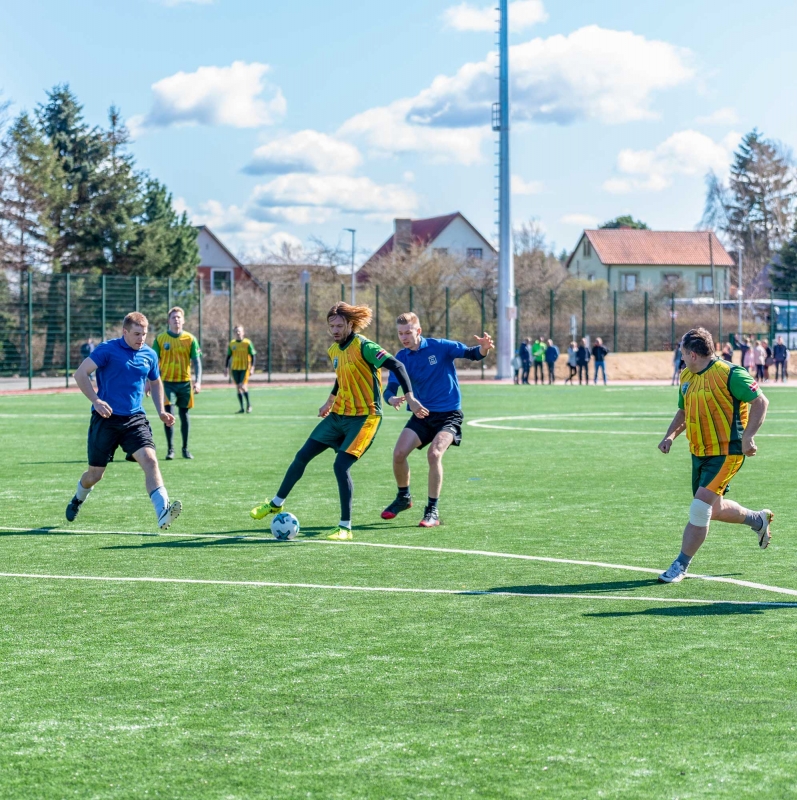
<point>240,377</point>
<point>182,391</point>
<point>426,429</point>
<point>105,435</point>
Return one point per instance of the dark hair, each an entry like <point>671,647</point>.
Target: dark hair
<point>698,341</point>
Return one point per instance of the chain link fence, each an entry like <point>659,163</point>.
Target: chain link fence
<point>45,319</point>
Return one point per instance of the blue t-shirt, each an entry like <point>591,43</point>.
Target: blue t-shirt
<point>122,373</point>
<point>433,374</point>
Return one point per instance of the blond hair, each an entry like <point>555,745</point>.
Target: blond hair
<point>172,310</point>
<point>358,316</point>
<point>408,318</point>
<point>135,318</point>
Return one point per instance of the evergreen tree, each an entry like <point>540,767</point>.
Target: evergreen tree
<point>626,221</point>
<point>783,273</point>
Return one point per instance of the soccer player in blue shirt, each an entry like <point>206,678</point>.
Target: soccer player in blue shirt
<point>430,365</point>
<point>123,366</point>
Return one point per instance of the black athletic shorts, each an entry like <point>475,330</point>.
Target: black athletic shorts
<point>426,429</point>
<point>105,435</point>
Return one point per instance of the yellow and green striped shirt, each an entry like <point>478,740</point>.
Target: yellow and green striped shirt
<point>241,351</point>
<point>175,352</point>
<point>358,367</point>
<point>715,402</point>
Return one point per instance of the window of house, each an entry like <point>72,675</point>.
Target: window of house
<point>671,278</point>
<point>704,285</point>
<point>628,281</point>
<point>441,251</point>
<point>591,277</point>
<point>220,281</point>
<point>475,252</point>
<point>587,248</point>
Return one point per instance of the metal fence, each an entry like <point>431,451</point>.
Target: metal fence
<point>45,319</point>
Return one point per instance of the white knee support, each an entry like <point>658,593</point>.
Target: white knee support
<point>700,513</point>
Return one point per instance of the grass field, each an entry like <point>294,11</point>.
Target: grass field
<point>229,688</point>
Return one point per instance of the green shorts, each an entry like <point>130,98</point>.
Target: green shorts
<point>240,376</point>
<point>352,435</point>
<point>182,391</point>
<point>714,472</point>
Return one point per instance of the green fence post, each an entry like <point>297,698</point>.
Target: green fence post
<point>788,319</point>
<point>30,329</point>
<point>307,331</point>
<point>268,332</point>
<point>104,307</point>
<point>199,308</point>
<point>616,348</point>
<point>343,292</point>
<point>377,312</point>
<point>169,294</point>
<point>484,324</point>
<point>646,322</point>
<point>583,313</point>
<point>412,299</point>
<point>448,309</point>
<point>771,315</point>
<point>138,291</point>
<point>672,321</point>
<point>68,328</point>
<point>719,313</point>
<point>551,302</point>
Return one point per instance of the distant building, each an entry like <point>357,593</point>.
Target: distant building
<point>630,260</point>
<point>450,235</point>
<point>218,268</point>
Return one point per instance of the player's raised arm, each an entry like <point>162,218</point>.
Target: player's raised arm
<point>83,380</point>
<point>677,427</point>
<point>485,343</point>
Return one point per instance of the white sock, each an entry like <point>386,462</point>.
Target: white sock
<point>82,492</point>
<point>278,501</point>
<point>160,500</point>
<point>345,523</point>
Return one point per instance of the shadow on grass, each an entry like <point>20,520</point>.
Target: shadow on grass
<point>79,461</point>
<point>578,588</point>
<point>52,530</point>
<point>711,609</point>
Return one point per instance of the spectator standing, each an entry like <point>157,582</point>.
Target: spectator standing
<point>769,360</point>
<point>87,348</point>
<point>572,355</point>
<point>748,355</point>
<point>517,365</point>
<point>599,353</point>
<point>676,365</point>
<point>538,354</point>
<point>551,357</point>
<point>760,360</point>
<point>727,352</point>
<point>582,361</point>
<point>525,359</point>
<point>780,354</point>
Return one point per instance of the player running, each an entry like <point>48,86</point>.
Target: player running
<point>177,351</point>
<point>242,354</point>
<point>721,409</point>
<point>123,366</point>
<point>351,415</point>
<point>430,365</point>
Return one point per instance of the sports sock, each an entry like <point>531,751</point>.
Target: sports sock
<point>433,502</point>
<point>278,501</point>
<point>403,491</point>
<point>345,523</point>
<point>684,559</point>
<point>246,395</point>
<point>754,520</point>
<point>160,500</point>
<point>241,401</point>
<point>185,426</point>
<point>82,492</point>
<point>169,429</point>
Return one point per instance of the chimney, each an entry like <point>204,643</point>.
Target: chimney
<point>402,235</point>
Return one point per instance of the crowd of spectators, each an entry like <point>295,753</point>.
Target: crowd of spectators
<point>542,353</point>
<point>755,355</point>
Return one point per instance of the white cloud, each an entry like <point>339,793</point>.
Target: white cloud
<point>305,151</point>
<point>722,116</point>
<point>467,17</point>
<point>523,187</point>
<point>580,220</point>
<point>238,95</point>
<point>684,153</point>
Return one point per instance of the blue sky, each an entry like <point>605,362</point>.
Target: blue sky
<point>277,122</point>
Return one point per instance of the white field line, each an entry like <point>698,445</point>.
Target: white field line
<point>450,550</point>
<point>388,589</point>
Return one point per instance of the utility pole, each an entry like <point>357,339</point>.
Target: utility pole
<point>352,231</point>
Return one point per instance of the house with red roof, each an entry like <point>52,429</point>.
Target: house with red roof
<point>451,234</point>
<point>218,268</point>
<point>631,260</point>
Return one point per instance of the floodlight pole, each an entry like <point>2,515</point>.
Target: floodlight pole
<point>352,231</point>
<point>507,310</point>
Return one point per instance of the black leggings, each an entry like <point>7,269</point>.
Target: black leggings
<point>573,372</point>
<point>341,467</point>
<point>185,427</point>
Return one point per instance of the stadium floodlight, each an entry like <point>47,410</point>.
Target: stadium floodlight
<point>507,311</point>
<point>352,231</point>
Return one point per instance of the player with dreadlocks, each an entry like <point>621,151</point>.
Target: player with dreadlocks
<point>351,415</point>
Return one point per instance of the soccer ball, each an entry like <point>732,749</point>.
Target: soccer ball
<point>284,526</point>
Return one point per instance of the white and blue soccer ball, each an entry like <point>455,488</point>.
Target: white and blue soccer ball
<point>284,526</point>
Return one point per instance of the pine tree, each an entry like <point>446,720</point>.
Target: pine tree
<point>783,273</point>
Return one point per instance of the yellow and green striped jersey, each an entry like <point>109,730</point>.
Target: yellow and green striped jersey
<point>715,402</point>
<point>175,351</point>
<point>241,351</point>
<point>358,367</point>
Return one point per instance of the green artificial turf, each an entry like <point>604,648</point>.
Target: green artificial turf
<point>235,690</point>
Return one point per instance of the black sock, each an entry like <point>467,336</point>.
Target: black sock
<point>169,429</point>
<point>241,400</point>
<point>403,491</point>
<point>433,502</point>
<point>185,425</point>
<point>246,395</point>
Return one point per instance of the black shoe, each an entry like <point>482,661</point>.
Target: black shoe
<point>73,508</point>
<point>241,412</point>
<point>186,454</point>
<point>170,454</point>
<point>401,503</point>
<point>129,457</point>
<point>430,518</point>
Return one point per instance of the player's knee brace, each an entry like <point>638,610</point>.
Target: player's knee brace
<point>700,513</point>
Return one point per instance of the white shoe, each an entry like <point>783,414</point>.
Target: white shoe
<point>170,515</point>
<point>764,536</point>
<point>675,574</point>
